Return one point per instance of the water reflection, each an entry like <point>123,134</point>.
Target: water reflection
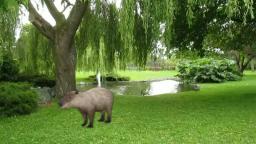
<point>162,87</point>
<point>144,88</point>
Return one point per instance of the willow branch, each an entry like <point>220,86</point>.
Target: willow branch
<point>58,16</point>
<point>40,23</point>
<point>76,15</point>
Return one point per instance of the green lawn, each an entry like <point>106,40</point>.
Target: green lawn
<point>147,75</point>
<point>134,75</point>
<point>218,113</point>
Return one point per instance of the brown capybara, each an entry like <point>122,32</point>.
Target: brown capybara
<point>88,102</point>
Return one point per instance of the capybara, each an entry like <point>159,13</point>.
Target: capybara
<point>88,102</point>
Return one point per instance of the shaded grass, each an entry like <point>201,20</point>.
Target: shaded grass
<point>218,113</point>
<point>134,75</point>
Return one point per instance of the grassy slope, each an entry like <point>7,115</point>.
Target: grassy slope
<point>134,75</point>
<point>219,113</point>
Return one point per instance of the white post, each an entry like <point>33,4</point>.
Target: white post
<point>98,78</point>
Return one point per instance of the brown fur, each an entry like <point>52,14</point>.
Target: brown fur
<point>89,102</point>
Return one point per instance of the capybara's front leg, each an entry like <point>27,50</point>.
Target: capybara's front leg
<point>85,118</point>
<point>102,117</point>
<point>91,118</point>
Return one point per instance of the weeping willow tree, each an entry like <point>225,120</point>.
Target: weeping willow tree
<point>105,36</point>
<point>34,52</point>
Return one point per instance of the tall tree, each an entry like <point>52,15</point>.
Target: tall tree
<point>62,35</point>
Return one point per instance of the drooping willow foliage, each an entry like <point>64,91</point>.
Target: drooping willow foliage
<point>111,37</point>
<point>34,52</point>
<point>98,40</point>
<point>233,7</point>
<point>8,23</point>
<point>140,25</point>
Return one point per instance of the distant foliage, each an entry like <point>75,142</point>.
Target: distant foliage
<point>207,70</point>
<point>17,99</point>
<point>8,69</point>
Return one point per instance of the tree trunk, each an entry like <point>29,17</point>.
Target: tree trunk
<point>242,64</point>
<point>65,63</point>
<point>252,66</point>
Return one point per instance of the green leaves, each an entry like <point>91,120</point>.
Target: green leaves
<point>8,4</point>
<point>207,70</point>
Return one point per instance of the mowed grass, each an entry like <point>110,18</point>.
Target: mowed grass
<point>134,75</point>
<point>218,113</point>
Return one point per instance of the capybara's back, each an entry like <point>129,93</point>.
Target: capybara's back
<point>100,98</point>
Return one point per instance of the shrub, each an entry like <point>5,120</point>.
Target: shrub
<point>114,77</point>
<point>207,70</point>
<point>109,77</point>
<point>17,99</point>
<point>37,80</point>
<point>8,69</point>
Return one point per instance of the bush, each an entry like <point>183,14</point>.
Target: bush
<point>109,77</point>
<point>37,80</point>
<point>8,69</point>
<point>17,99</point>
<point>207,70</point>
<point>114,77</point>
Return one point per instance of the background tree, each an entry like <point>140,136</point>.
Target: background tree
<point>191,24</point>
<point>235,35</point>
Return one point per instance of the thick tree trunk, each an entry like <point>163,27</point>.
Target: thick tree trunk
<point>65,63</point>
<point>62,34</point>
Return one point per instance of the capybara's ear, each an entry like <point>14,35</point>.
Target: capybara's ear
<point>76,92</point>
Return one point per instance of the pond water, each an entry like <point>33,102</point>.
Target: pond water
<point>142,88</point>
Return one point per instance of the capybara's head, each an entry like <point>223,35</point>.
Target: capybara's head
<point>67,98</point>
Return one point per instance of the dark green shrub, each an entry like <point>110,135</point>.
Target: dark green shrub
<point>8,69</point>
<point>17,99</point>
<point>37,80</point>
<point>109,77</point>
<point>115,77</point>
<point>207,70</point>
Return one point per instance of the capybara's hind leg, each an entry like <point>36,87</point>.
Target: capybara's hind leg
<point>109,116</point>
<point>91,118</point>
<point>102,117</point>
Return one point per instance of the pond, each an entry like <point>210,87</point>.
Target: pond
<point>142,88</point>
